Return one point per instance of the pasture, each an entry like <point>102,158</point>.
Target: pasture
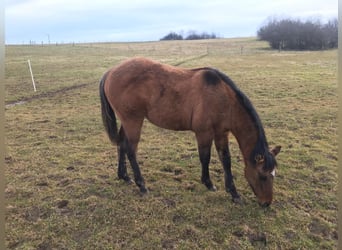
<point>62,191</point>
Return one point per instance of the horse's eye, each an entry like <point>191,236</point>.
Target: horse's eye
<point>262,177</point>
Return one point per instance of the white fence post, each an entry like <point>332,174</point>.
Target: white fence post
<point>34,85</point>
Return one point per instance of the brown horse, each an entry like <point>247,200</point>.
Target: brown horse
<point>202,100</point>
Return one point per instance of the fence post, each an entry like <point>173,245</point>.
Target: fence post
<point>34,85</point>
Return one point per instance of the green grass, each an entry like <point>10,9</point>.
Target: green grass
<point>62,191</point>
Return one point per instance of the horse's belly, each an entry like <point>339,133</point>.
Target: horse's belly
<point>171,121</point>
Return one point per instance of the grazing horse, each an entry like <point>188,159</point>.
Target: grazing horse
<point>202,100</point>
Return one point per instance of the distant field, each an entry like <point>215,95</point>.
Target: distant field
<point>62,191</point>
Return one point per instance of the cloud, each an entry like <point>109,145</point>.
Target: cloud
<point>133,20</point>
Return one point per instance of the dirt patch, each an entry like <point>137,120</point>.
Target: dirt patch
<point>44,95</point>
<point>317,227</point>
<point>255,238</point>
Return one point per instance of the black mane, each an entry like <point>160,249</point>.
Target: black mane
<point>261,146</point>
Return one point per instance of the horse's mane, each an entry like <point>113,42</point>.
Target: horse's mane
<point>261,146</point>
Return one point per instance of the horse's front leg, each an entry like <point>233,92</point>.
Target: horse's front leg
<point>204,150</point>
<point>222,148</point>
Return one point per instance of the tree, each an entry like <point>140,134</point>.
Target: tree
<point>330,31</point>
<point>172,36</point>
<point>192,35</point>
<point>295,34</point>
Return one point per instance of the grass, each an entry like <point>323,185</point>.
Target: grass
<point>62,191</point>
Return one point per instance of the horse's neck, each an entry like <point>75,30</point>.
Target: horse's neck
<point>245,133</point>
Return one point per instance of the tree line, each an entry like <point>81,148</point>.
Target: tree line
<point>192,35</point>
<point>289,34</point>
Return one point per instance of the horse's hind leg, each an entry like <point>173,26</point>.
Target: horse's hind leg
<point>204,149</point>
<point>132,132</point>
<point>204,154</point>
<point>122,151</point>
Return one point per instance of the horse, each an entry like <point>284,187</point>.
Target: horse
<point>202,100</point>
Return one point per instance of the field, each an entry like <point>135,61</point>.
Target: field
<point>62,191</point>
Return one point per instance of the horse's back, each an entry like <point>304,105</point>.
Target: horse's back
<point>168,96</point>
<point>140,87</point>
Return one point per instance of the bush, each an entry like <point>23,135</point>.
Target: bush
<point>192,35</point>
<point>291,34</point>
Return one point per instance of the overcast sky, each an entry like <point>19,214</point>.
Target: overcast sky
<point>148,20</point>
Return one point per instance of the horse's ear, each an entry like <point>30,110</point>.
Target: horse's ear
<point>275,150</point>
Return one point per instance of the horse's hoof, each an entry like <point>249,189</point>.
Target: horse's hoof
<point>143,191</point>
<point>209,185</point>
<point>126,179</point>
<point>129,181</point>
<point>237,200</point>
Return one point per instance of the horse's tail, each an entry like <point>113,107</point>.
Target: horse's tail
<point>108,115</point>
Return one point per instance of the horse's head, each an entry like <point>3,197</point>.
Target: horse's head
<point>260,177</point>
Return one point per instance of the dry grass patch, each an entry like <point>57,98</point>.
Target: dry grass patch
<point>62,191</point>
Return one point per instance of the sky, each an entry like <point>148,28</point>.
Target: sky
<point>65,21</point>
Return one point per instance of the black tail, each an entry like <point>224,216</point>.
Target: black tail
<point>108,115</point>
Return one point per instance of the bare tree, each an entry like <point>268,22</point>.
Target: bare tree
<point>297,35</point>
<point>172,36</point>
<point>192,35</point>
